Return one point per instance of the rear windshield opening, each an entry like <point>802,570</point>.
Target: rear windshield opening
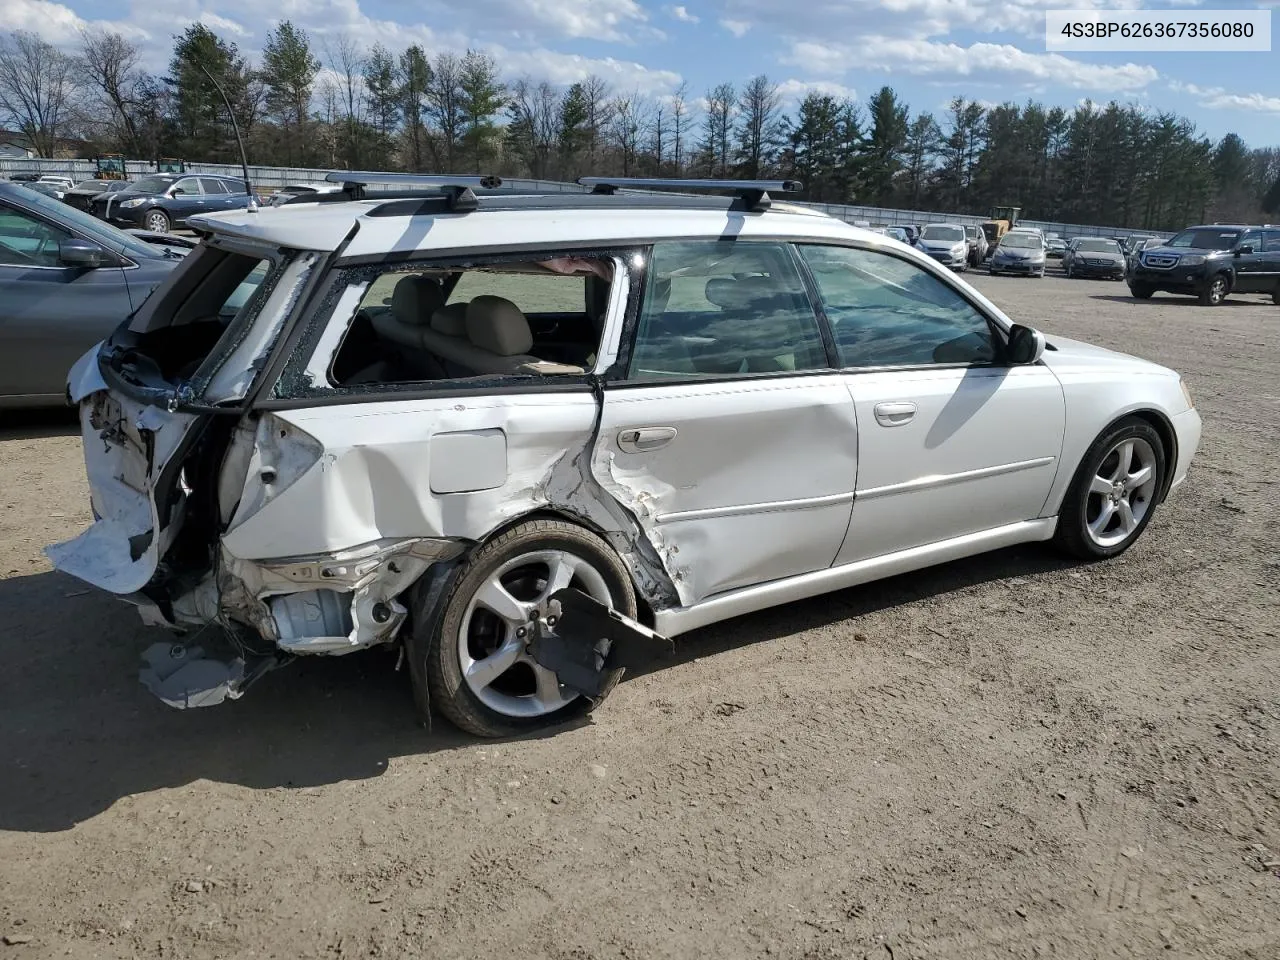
<point>541,317</point>
<point>194,309</point>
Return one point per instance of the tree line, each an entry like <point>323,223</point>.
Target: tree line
<point>337,104</point>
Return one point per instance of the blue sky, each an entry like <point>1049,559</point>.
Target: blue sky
<point>928,50</point>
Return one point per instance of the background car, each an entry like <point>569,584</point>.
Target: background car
<point>66,183</point>
<point>163,201</point>
<point>1210,261</point>
<point>301,192</point>
<point>1019,251</point>
<point>66,281</point>
<point>1054,248</point>
<point>977,244</point>
<point>1094,257</point>
<point>81,195</point>
<point>55,190</point>
<point>946,243</point>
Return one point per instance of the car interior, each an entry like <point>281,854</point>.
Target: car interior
<point>530,318</point>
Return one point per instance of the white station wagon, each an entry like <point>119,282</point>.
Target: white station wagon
<point>531,438</point>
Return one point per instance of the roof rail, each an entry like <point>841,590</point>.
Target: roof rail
<point>754,193</point>
<point>459,189</point>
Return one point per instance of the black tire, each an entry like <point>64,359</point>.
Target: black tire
<point>157,221</point>
<point>1275,296</point>
<point>1215,291</point>
<point>436,656</point>
<point>1072,535</point>
<point>1141,291</point>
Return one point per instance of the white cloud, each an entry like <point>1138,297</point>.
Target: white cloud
<point>793,91</point>
<point>562,69</point>
<point>738,28</point>
<point>682,14</point>
<point>222,24</point>
<point>56,22</point>
<point>1216,98</point>
<point>985,61</point>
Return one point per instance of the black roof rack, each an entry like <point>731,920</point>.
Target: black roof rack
<point>754,193</point>
<point>459,189</point>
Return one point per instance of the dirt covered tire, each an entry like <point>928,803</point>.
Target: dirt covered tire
<point>1215,291</point>
<point>1114,492</point>
<point>473,661</point>
<point>157,221</point>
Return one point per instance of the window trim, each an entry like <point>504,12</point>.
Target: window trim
<point>292,388</point>
<point>618,375</point>
<point>998,331</point>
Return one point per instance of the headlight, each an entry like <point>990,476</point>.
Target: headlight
<point>1038,255</point>
<point>126,204</point>
<point>958,250</point>
<point>1186,393</point>
<point>1191,260</point>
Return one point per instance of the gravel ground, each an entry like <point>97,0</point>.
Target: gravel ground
<point>1009,756</point>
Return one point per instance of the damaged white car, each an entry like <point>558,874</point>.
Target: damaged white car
<point>532,438</point>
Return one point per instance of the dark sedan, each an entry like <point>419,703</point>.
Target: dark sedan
<point>66,281</point>
<point>1094,257</point>
<point>82,194</point>
<point>165,200</point>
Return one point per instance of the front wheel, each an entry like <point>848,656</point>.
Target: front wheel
<point>1215,291</point>
<point>1275,296</point>
<point>477,664</point>
<point>1141,291</point>
<point>1114,492</point>
<point>157,221</point>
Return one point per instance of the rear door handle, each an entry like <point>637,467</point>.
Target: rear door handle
<point>644,439</point>
<point>895,414</point>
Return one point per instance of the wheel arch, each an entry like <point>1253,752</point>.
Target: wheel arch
<point>1163,427</point>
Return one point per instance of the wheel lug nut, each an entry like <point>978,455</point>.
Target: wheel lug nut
<point>521,632</point>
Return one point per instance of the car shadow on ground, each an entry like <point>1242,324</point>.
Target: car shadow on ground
<point>35,424</point>
<point>78,732</point>
<point>1175,301</point>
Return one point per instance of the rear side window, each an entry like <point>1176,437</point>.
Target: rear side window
<point>715,308</point>
<point>214,187</point>
<point>887,311</point>
<point>532,293</point>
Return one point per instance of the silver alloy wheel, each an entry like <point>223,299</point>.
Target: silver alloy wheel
<point>495,632</point>
<point>1217,289</point>
<point>157,222</point>
<point>1121,492</point>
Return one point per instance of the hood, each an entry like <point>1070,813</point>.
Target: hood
<point>1075,355</point>
<point>1113,257</point>
<point>1017,253</point>
<point>940,244</point>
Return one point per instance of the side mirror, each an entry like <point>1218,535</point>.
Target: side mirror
<point>82,253</point>
<point>176,192</point>
<point>1243,249</point>
<point>1025,345</point>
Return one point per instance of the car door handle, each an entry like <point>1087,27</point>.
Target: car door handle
<point>895,414</point>
<point>644,439</point>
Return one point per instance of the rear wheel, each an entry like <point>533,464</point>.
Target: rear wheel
<point>1215,291</point>
<point>476,663</point>
<point>157,221</point>
<point>1114,492</point>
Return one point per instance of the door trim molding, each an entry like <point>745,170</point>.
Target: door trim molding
<point>677,620</point>
<point>773,506</point>
<point>947,479</point>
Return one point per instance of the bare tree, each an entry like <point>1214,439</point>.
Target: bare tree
<point>37,86</point>
<point>759,108</point>
<point>534,130</point>
<point>718,128</point>
<point>347,61</point>
<point>110,63</point>
<point>679,121</point>
<point>595,94</point>
<point>444,107</point>
<point>629,119</point>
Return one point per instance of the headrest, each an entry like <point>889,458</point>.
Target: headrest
<point>451,320</point>
<point>719,291</point>
<point>497,325</point>
<point>415,299</point>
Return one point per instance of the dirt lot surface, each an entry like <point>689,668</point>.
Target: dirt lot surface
<point>1006,757</point>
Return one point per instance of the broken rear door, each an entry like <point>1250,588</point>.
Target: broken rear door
<point>730,438</point>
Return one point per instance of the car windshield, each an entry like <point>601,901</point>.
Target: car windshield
<point>1022,241</point>
<point>943,232</point>
<point>1098,246</point>
<point>150,185</point>
<point>104,232</point>
<point>1207,238</point>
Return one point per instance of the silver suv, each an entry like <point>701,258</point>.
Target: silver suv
<point>529,439</point>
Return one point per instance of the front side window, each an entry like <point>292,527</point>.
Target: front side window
<point>724,308</point>
<point>189,186</point>
<point>886,311</point>
<point>1252,238</point>
<point>28,242</point>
